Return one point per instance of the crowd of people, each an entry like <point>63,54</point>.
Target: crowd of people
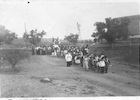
<point>75,55</point>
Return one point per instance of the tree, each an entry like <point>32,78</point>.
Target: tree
<point>10,37</point>
<point>6,36</point>
<point>112,29</point>
<point>99,34</point>
<point>123,31</point>
<point>14,56</point>
<point>72,38</point>
<point>34,37</point>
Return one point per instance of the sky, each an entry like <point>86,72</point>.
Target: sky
<point>59,17</point>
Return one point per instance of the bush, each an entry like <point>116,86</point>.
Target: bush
<point>14,56</point>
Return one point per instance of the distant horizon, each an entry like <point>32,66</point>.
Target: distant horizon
<point>59,38</point>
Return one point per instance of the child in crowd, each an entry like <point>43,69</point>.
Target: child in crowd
<point>90,62</point>
<point>53,53</point>
<point>101,65</point>
<point>96,60</point>
<point>77,59</point>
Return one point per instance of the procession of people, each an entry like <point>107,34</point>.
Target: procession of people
<point>75,55</point>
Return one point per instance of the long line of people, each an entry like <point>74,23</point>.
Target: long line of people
<point>75,55</point>
<point>98,63</point>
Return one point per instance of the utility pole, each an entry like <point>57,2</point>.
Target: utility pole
<point>25,38</point>
<point>79,32</point>
<point>25,27</point>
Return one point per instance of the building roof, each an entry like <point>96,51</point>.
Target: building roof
<point>133,26</point>
<point>134,37</point>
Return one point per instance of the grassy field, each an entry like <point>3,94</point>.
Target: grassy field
<point>122,54</point>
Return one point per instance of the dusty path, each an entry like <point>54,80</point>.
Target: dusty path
<point>67,81</point>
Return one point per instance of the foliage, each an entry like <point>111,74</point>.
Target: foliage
<point>6,36</point>
<point>10,37</point>
<point>72,38</point>
<point>34,37</point>
<point>112,29</point>
<point>14,56</point>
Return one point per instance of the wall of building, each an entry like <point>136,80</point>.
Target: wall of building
<point>134,27</point>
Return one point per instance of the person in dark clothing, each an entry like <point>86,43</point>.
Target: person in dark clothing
<point>33,50</point>
<point>44,50</point>
<point>107,62</point>
<point>81,58</point>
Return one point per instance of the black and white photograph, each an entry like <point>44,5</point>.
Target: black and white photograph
<point>69,49</point>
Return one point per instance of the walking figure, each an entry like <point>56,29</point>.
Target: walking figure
<point>68,58</point>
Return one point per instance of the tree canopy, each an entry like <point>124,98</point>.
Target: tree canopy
<point>14,56</point>
<point>34,37</point>
<point>112,29</point>
<point>6,36</point>
<point>72,38</point>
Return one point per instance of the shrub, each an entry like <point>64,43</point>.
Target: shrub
<point>14,56</point>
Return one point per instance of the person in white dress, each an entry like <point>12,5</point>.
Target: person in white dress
<point>68,58</point>
<point>85,62</point>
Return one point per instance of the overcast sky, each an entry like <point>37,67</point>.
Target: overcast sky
<point>59,17</point>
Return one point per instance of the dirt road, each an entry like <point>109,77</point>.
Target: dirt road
<point>65,81</point>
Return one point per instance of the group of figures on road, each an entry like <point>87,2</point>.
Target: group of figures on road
<point>75,55</point>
